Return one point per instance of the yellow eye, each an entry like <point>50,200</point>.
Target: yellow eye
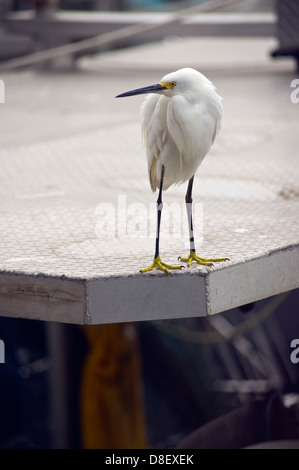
<point>168,85</point>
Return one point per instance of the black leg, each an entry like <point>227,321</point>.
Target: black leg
<point>159,212</point>
<point>193,256</point>
<point>157,263</point>
<point>188,200</point>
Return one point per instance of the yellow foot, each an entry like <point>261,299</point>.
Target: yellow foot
<point>157,263</point>
<point>205,262</point>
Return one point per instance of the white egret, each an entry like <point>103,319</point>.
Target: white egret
<point>181,117</point>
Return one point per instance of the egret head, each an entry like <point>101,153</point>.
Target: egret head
<point>182,81</point>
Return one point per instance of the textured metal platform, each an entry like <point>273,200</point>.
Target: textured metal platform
<point>78,218</point>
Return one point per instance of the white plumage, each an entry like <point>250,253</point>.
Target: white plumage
<point>179,125</point>
<point>181,117</point>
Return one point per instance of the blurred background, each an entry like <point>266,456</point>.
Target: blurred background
<point>80,387</point>
<point>18,17</point>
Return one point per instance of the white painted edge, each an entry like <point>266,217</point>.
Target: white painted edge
<point>195,294</point>
<point>252,280</point>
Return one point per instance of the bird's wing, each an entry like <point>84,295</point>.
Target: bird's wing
<point>218,119</point>
<point>178,135</point>
<point>155,133</point>
<point>193,129</point>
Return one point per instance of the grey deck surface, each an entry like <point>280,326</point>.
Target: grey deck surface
<point>69,152</point>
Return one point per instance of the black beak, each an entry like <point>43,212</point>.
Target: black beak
<point>140,91</point>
